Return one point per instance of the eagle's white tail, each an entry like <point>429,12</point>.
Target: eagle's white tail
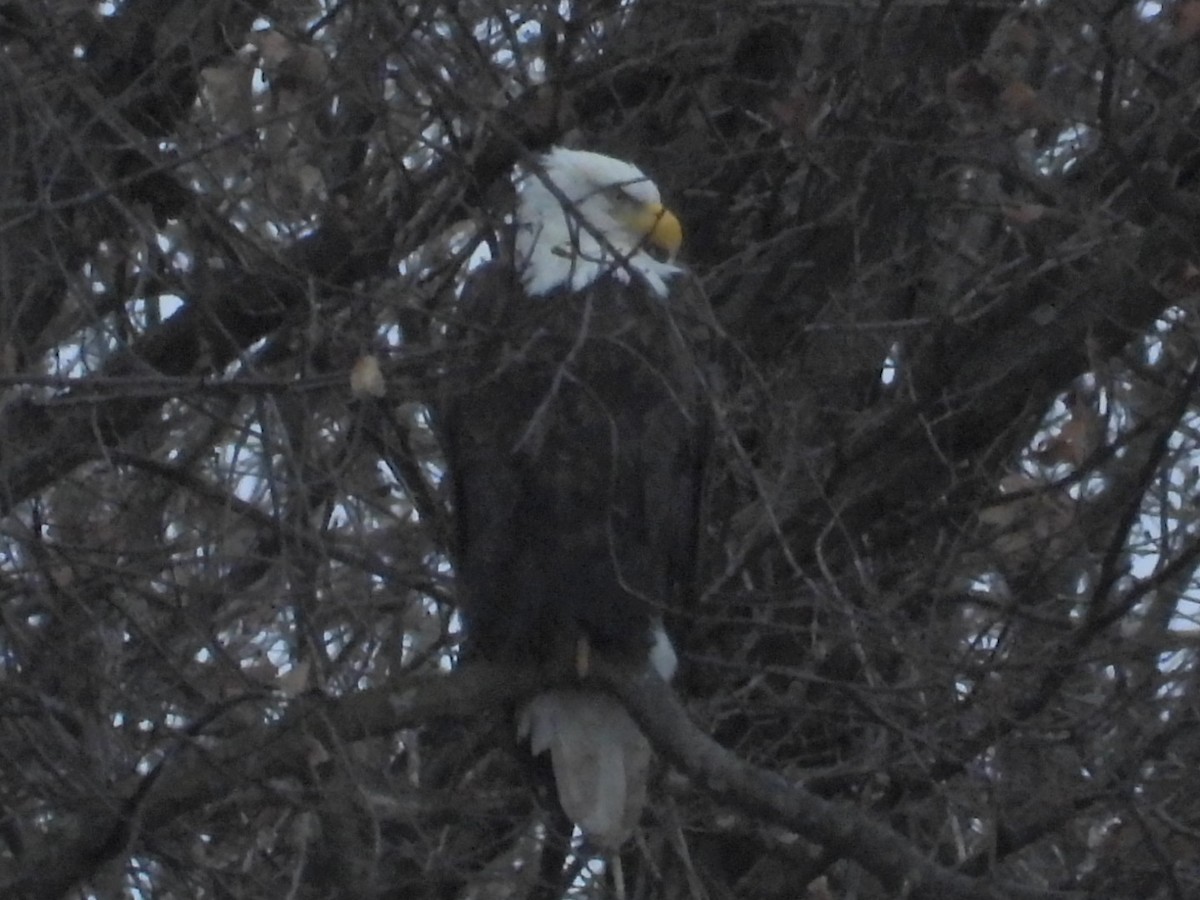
<point>600,758</point>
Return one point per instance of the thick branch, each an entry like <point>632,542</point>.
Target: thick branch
<point>843,829</point>
<point>206,769</point>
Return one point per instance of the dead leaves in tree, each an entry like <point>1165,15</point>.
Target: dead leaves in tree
<point>291,66</point>
<point>1009,77</point>
<point>280,122</point>
<point>1019,104</point>
<point>1031,521</point>
<point>1023,214</point>
<point>1078,439</point>
<point>366,378</point>
<point>1185,17</point>
<point>226,92</point>
<point>1035,516</point>
<point>293,73</point>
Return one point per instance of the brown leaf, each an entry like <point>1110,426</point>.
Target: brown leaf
<point>1022,103</point>
<point>1024,213</point>
<point>227,91</point>
<point>1187,20</point>
<point>971,84</point>
<point>1032,527</point>
<point>307,67</point>
<point>366,378</point>
<point>1077,440</point>
<point>309,181</point>
<point>295,680</point>
<point>274,49</point>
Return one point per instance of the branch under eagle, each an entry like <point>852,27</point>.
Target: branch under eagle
<point>574,446</point>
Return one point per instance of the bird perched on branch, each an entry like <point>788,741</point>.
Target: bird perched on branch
<point>575,446</point>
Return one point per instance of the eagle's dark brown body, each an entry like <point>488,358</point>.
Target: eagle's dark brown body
<point>574,442</point>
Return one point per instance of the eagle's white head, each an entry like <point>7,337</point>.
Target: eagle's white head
<point>602,217</point>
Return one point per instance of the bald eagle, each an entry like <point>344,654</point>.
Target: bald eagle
<point>573,446</point>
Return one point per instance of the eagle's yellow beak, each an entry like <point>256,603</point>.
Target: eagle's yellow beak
<point>660,227</point>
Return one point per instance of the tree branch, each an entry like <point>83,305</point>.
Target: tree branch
<point>845,830</point>
<point>204,769</point>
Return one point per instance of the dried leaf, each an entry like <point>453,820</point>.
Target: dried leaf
<point>227,92</point>
<point>1077,440</point>
<point>1032,527</point>
<point>295,680</point>
<point>1190,276</point>
<point>366,378</point>
<point>1187,20</point>
<point>257,666</point>
<point>310,181</point>
<point>1024,213</point>
<point>274,48</point>
<point>1021,102</point>
<point>307,66</point>
<point>970,84</point>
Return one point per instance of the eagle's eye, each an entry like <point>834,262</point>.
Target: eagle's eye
<point>619,197</point>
